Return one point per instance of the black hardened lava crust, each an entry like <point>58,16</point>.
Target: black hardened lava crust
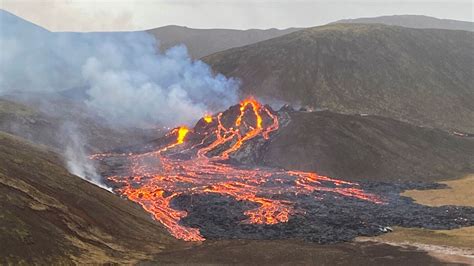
<point>329,219</point>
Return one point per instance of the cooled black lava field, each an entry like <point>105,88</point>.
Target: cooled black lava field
<point>209,183</point>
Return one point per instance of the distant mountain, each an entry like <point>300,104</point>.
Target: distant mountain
<point>12,24</point>
<point>202,42</point>
<point>424,76</point>
<point>415,21</point>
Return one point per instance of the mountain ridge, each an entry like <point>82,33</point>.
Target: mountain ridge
<point>203,42</point>
<point>423,76</point>
<point>414,21</point>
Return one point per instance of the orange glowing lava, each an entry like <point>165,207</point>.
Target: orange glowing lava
<point>182,132</point>
<point>208,118</point>
<point>157,177</point>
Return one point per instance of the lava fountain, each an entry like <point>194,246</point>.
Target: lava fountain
<point>199,161</point>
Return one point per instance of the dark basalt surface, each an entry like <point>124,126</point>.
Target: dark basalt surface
<point>327,219</point>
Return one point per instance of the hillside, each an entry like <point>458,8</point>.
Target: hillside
<point>49,124</point>
<point>415,21</point>
<point>424,76</point>
<point>202,42</point>
<point>48,215</point>
<point>356,147</point>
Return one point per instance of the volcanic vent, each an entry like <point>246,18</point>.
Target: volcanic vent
<point>199,184</point>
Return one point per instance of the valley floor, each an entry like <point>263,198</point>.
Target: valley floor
<point>293,252</point>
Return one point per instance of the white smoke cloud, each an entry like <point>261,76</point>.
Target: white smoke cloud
<point>168,88</point>
<point>124,76</point>
<point>121,76</point>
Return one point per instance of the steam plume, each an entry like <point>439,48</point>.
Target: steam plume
<point>77,161</point>
<point>124,77</point>
<point>121,76</point>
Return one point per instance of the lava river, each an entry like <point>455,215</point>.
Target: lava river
<point>199,161</point>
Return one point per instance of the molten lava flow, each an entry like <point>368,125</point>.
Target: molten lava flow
<point>182,132</point>
<point>208,118</point>
<point>158,177</point>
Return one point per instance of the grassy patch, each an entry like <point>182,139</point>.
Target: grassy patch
<point>459,238</point>
<point>458,193</point>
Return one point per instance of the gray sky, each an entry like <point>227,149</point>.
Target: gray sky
<point>112,15</point>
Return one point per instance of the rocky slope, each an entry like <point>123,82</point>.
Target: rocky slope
<point>419,75</point>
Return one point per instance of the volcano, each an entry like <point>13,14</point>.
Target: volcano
<point>209,182</point>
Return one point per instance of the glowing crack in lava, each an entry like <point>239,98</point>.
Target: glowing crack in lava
<point>201,166</point>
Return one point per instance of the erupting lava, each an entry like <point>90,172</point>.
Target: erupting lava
<point>182,132</point>
<point>207,118</point>
<point>196,167</point>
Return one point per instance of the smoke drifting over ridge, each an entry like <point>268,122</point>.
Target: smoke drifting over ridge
<point>121,78</point>
<point>125,79</point>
